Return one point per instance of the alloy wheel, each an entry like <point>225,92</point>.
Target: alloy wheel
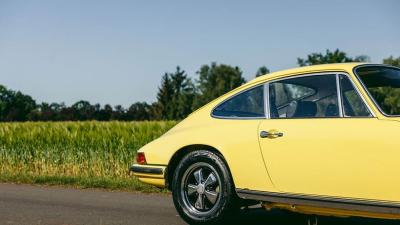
<point>200,188</point>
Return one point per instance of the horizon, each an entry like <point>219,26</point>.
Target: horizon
<point>116,54</point>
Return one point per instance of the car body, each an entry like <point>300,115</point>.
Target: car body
<point>320,143</point>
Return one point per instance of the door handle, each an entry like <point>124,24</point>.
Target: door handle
<point>270,134</point>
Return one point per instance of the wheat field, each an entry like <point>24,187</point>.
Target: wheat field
<point>88,154</point>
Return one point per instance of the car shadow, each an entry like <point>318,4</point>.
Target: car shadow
<point>259,216</point>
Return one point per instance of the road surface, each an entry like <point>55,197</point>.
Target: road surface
<point>39,205</point>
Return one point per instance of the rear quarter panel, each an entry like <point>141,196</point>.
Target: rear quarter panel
<point>236,140</point>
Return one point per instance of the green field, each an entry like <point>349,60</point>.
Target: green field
<point>82,154</point>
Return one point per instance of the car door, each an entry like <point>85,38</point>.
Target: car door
<point>321,139</point>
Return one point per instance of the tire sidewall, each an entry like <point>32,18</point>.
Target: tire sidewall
<point>224,204</point>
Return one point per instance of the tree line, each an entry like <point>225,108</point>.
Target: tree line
<point>178,95</point>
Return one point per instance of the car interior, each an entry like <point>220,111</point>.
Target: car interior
<point>304,97</point>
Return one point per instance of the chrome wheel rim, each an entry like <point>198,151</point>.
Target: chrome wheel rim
<point>201,188</point>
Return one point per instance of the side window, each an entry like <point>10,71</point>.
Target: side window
<point>304,97</point>
<point>247,104</point>
<point>353,105</point>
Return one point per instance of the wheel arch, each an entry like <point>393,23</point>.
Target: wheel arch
<point>178,156</point>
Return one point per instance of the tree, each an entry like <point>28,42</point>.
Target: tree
<point>83,110</point>
<point>183,96</point>
<point>44,112</point>
<point>162,107</point>
<point>392,61</point>
<point>139,111</point>
<point>216,80</point>
<point>105,113</point>
<point>262,71</point>
<point>15,106</point>
<point>118,113</point>
<point>336,56</point>
<point>175,96</point>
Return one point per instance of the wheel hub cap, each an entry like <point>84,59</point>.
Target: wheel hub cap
<point>201,188</point>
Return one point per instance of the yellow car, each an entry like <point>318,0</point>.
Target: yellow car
<point>319,140</point>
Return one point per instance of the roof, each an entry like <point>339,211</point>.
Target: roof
<point>306,69</point>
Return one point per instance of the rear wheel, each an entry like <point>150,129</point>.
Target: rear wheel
<point>202,189</point>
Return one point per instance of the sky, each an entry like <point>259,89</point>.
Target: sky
<point>116,52</point>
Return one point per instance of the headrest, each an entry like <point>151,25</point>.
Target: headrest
<point>305,109</point>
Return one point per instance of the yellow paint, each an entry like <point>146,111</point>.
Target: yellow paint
<point>160,182</point>
<point>342,157</point>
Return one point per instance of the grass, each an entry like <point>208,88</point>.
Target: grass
<point>81,182</point>
<point>80,154</point>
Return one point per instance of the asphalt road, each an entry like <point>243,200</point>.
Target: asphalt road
<point>34,205</point>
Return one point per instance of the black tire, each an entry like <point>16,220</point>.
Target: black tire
<point>188,202</point>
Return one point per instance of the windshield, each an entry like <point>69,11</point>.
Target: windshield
<point>383,83</point>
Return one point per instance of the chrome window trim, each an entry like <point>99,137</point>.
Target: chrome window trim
<point>366,89</point>
<point>266,101</point>
<point>266,98</point>
<point>240,118</point>
<point>339,95</point>
<point>361,96</point>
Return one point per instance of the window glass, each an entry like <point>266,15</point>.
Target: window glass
<point>383,83</point>
<point>304,97</point>
<point>353,105</point>
<point>291,92</point>
<point>247,104</point>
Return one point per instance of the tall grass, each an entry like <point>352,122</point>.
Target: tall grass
<point>60,151</point>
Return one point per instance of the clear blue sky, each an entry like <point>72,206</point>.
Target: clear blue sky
<point>116,51</point>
